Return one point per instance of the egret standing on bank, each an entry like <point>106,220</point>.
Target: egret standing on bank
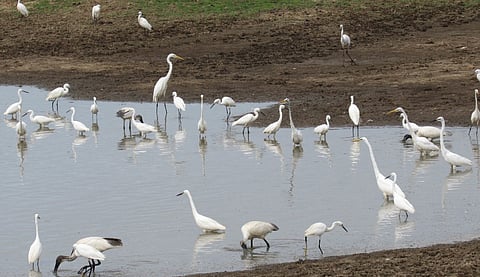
<point>77,125</point>
<point>275,126</point>
<point>160,88</point>
<point>477,74</point>
<point>14,109</point>
<point>36,247</point>
<point>22,9</point>
<point>247,119</point>
<point>475,117</point>
<point>227,102</point>
<point>322,130</point>
<point>452,158</point>
<point>318,229</point>
<point>205,223</point>
<point>55,94</point>
<point>354,114</point>
<point>143,22</point>
<point>256,230</point>
<point>96,13</point>
<point>345,42</point>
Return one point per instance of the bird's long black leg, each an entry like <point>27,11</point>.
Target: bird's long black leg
<point>57,105</point>
<point>470,129</point>
<point>268,244</point>
<point>351,60</point>
<point>251,243</point>
<point>319,247</point>
<point>305,242</point>
<point>165,106</point>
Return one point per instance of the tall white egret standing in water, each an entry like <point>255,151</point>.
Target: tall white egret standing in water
<point>322,130</point>
<point>36,248</point>
<point>22,9</point>
<point>354,114</point>
<point>179,103</point>
<point>41,120</point>
<point>475,117</point>
<point>297,137</point>
<point>202,124</point>
<point>96,13</point>
<point>21,128</point>
<point>452,158</point>
<point>94,109</point>
<point>89,252</point>
<point>14,109</point>
<point>143,22</point>
<point>205,223</point>
<point>275,126</point>
<point>318,229</point>
<point>160,88</point>
<point>55,94</point>
<point>228,102</point>
<point>400,201</point>
<point>247,119</point>
<point>256,230</point>
<point>77,125</point>
<point>143,128</point>
<point>345,42</point>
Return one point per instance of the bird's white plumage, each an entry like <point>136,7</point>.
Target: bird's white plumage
<point>344,38</point>
<point>205,223</point>
<point>143,128</point>
<point>429,132</point>
<point>322,129</point>
<point>226,101</point>
<point>273,128</point>
<point>247,119</point>
<point>319,228</point>
<point>400,201</point>
<point>94,106</point>
<point>453,159</point>
<point>88,251</point>
<point>160,88</point>
<point>143,22</point>
<point>96,12</point>
<point>22,9</point>
<point>475,117</point>
<point>413,125</point>
<point>77,125</point>
<point>15,108</point>
<point>36,247</point>
<point>256,229</point>
<point>58,92</point>
<point>41,120</point>
<point>202,124</point>
<point>21,128</point>
<point>354,112</point>
<point>297,137</point>
<point>477,74</point>
<point>178,102</point>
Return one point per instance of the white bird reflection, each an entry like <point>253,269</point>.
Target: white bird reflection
<point>202,149</point>
<point>386,214</point>
<point>78,141</point>
<point>321,146</point>
<point>274,147</point>
<point>11,123</point>
<point>41,133</point>
<point>21,150</point>
<point>454,181</point>
<point>297,154</point>
<point>355,153</point>
<point>33,273</point>
<point>403,231</point>
<point>205,243</point>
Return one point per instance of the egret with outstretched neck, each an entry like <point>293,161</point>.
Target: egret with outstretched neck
<point>205,223</point>
<point>475,117</point>
<point>14,109</point>
<point>453,159</point>
<point>160,88</point>
<point>36,248</point>
<point>41,120</point>
<point>77,125</point>
<point>273,128</point>
<point>297,137</point>
<point>202,124</point>
<point>256,230</point>
<point>318,229</point>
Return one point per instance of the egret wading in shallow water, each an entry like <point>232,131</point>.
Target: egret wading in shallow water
<point>22,9</point>
<point>94,109</point>
<point>125,114</point>
<point>247,119</point>
<point>41,120</point>
<point>318,229</point>
<point>179,104</point>
<point>202,124</point>
<point>160,88</point>
<point>400,201</point>
<point>57,93</point>
<point>99,243</point>
<point>452,158</point>
<point>227,102</point>
<point>345,42</point>
<point>21,128</point>
<point>205,223</point>
<point>96,13</point>
<point>297,137</point>
<point>273,128</point>
<point>14,109</point>
<point>36,248</point>
<point>143,22</point>
<point>475,117</point>
<point>143,128</point>
<point>256,230</point>
<point>322,130</point>
<point>354,114</point>
<point>77,125</point>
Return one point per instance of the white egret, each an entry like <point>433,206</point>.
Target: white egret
<point>322,130</point>
<point>41,120</point>
<point>57,93</point>
<point>475,117</point>
<point>202,124</point>
<point>205,223</point>
<point>429,132</point>
<point>477,73</point>
<point>77,125</point>
<point>318,229</point>
<point>405,125</point>
<point>400,201</point>
<point>247,119</point>
<point>275,126</point>
<point>125,113</point>
<point>297,137</point>
<point>160,88</point>
<point>452,158</point>
<point>94,109</point>
<point>345,42</point>
<point>99,243</point>
<point>143,22</point>
<point>384,184</point>
<point>21,128</point>
<point>89,252</point>
<point>179,103</point>
<point>36,248</point>
<point>142,127</point>
<point>256,230</point>
<point>228,102</point>
<point>354,114</point>
<point>22,9</point>
<point>96,13</point>
<point>14,109</point>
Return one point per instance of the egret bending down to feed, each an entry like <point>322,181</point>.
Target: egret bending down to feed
<point>318,229</point>
<point>55,94</point>
<point>143,22</point>
<point>297,137</point>
<point>99,243</point>
<point>384,184</point>
<point>160,88</point>
<point>354,114</point>
<point>400,201</point>
<point>77,125</point>
<point>322,130</point>
<point>41,120</point>
<point>125,113</point>
<point>247,119</point>
<point>94,109</point>
<point>96,13</point>
<point>22,9</point>
<point>205,223</point>
<point>275,126</point>
<point>345,42</point>
<point>227,102</point>
<point>202,124</point>
<point>179,104</point>
<point>143,128</point>
<point>14,109</point>
<point>36,247</point>
<point>256,230</point>
<point>452,158</point>
<point>475,117</point>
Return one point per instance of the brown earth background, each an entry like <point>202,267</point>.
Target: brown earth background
<point>411,54</point>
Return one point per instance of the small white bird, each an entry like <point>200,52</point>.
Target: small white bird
<point>354,114</point>
<point>77,125</point>
<point>41,120</point>
<point>297,137</point>
<point>345,42</point>
<point>400,201</point>
<point>144,22</point>
<point>273,128</point>
<point>36,248</point>
<point>14,109</point>
<point>256,230</point>
<point>202,124</point>
<point>477,73</point>
<point>89,252</point>
<point>94,109</point>
<point>205,223</point>
<point>22,9</point>
<point>57,93</point>
<point>228,102</point>
<point>99,243</point>
<point>96,13</point>
<point>247,119</point>
<point>143,128</point>
<point>125,114</point>
<point>452,158</point>
<point>21,128</point>
<point>475,117</point>
<point>179,104</point>
<point>322,130</point>
<point>413,125</point>
<point>318,229</point>
<point>160,88</point>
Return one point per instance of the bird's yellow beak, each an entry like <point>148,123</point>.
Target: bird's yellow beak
<point>178,57</point>
<point>283,101</point>
<point>392,111</point>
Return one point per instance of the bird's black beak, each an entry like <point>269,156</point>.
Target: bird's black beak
<point>345,228</point>
<point>178,194</point>
<point>388,177</point>
<point>211,106</point>
<point>263,113</point>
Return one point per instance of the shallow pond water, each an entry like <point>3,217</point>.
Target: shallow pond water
<point>104,184</point>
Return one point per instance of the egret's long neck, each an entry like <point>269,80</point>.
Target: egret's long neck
<point>201,107</point>
<point>36,229</point>
<point>73,114</point>
<point>442,143</point>
<point>328,123</point>
<point>290,116</point>
<point>476,104</point>
<point>331,227</point>
<point>31,116</point>
<point>194,210</point>
<point>170,68</point>
<point>410,129</point>
<point>19,97</point>
<point>280,115</point>
<point>372,157</point>
<point>341,31</point>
